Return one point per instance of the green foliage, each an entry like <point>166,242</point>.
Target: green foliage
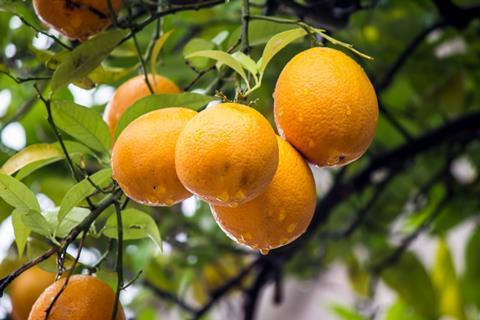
<point>30,162</point>
<point>85,58</point>
<point>196,45</point>
<point>135,224</point>
<point>83,189</point>
<point>156,50</point>
<point>344,313</point>
<point>472,269</point>
<point>445,280</point>
<point>411,281</point>
<point>82,123</point>
<point>17,194</point>
<point>20,230</point>
<point>32,154</point>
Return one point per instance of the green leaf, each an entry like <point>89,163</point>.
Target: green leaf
<point>246,62</point>
<point>109,75</point>
<point>358,276</point>
<point>31,154</point>
<point>8,5</point>
<point>153,102</point>
<point>472,269</point>
<point>84,83</point>
<point>86,57</point>
<point>17,194</point>
<point>401,311</point>
<point>73,218</point>
<point>83,124</point>
<point>32,167</point>
<point>136,225</point>
<point>345,313</point>
<point>259,32</point>
<point>445,280</point>
<point>277,43</point>
<point>73,149</point>
<point>156,51</point>
<point>222,58</point>
<point>20,230</point>
<point>410,280</point>
<point>220,37</point>
<point>195,45</point>
<point>36,222</point>
<point>83,189</point>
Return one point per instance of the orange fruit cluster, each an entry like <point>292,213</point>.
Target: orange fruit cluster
<point>77,19</point>
<point>259,186</point>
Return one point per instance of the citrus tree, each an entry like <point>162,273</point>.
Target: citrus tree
<point>160,157</point>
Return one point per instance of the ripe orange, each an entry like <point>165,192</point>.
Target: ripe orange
<point>131,91</point>
<point>77,19</point>
<point>326,106</point>
<point>143,157</point>
<point>227,154</point>
<point>85,297</point>
<point>280,214</point>
<point>25,290</point>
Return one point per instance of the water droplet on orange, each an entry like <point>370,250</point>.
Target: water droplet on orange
<point>223,197</point>
<point>264,251</point>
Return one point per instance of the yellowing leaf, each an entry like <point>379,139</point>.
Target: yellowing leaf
<point>277,43</point>
<point>222,58</point>
<point>30,154</point>
<point>156,51</point>
<point>445,280</point>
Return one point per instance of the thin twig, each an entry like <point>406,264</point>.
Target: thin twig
<point>54,127</point>
<point>225,288</point>
<point>119,263</point>
<point>405,243</point>
<point>4,282</point>
<point>24,109</point>
<point>112,14</point>
<point>202,73</point>
<point>142,62</point>
<point>60,42</point>
<point>70,273</point>
<point>245,21</point>
<point>169,297</point>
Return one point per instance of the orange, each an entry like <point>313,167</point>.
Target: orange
<point>76,19</point>
<point>132,91</point>
<point>143,158</point>
<point>326,107</point>
<point>227,154</point>
<point>85,297</point>
<point>25,290</point>
<point>280,214</point>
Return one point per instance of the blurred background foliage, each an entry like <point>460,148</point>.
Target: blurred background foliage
<point>371,227</point>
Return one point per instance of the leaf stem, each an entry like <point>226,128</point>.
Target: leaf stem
<point>66,46</point>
